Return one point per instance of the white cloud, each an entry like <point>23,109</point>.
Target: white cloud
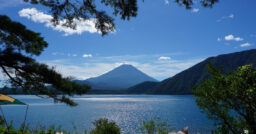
<point>57,53</point>
<point>73,55</point>
<point>54,53</point>
<point>233,38</point>
<point>40,17</point>
<point>164,58</point>
<point>231,16</point>
<point>3,76</point>
<point>195,10</point>
<point>245,45</point>
<point>166,2</point>
<point>238,39</point>
<point>62,54</point>
<point>229,37</point>
<point>87,55</point>
<point>218,39</point>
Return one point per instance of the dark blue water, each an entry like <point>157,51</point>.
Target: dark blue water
<point>126,110</point>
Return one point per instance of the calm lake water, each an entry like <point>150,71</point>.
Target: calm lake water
<point>126,110</point>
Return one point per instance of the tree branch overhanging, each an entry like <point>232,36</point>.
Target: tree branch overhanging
<point>17,45</point>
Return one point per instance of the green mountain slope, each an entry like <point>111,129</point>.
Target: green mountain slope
<point>143,88</point>
<point>185,80</point>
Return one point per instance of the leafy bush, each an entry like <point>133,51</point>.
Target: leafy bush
<point>230,100</point>
<point>25,129</point>
<point>102,126</point>
<point>156,126</point>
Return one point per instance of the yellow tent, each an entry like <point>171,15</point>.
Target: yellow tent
<point>7,100</point>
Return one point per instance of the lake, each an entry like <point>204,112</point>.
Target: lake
<point>126,110</point>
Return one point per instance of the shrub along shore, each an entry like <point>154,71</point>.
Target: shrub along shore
<point>101,126</point>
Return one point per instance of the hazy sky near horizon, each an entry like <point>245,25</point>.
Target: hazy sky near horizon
<point>161,41</point>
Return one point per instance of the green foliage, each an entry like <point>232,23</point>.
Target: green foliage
<point>188,3</point>
<point>144,87</point>
<point>156,126</point>
<point>2,120</point>
<point>42,130</point>
<point>39,129</point>
<point>17,46</point>
<point>230,99</point>
<point>103,126</point>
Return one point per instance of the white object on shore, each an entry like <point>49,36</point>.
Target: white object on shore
<point>183,131</point>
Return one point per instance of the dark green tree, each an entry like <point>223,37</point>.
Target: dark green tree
<point>230,99</point>
<point>103,126</point>
<point>189,3</point>
<point>156,126</point>
<point>18,45</point>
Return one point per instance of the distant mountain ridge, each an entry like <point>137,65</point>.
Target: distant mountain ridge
<point>119,78</point>
<point>182,82</point>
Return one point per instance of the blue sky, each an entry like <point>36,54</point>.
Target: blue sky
<point>162,40</point>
